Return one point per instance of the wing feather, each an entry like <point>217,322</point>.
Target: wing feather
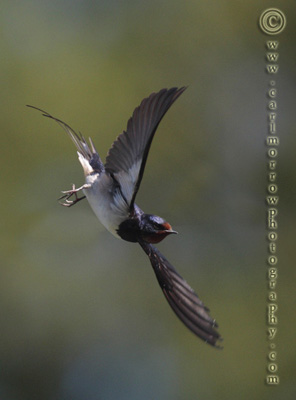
<point>127,157</point>
<point>182,298</point>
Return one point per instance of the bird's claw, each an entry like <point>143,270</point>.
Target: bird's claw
<point>69,193</point>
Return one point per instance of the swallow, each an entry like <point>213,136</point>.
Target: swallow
<point>111,190</point>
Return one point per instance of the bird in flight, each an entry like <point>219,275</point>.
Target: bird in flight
<point>111,191</point>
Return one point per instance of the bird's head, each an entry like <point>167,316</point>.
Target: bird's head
<point>154,229</point>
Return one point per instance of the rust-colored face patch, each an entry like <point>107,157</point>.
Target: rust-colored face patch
<point>167,226</point>
<point>158,236</point>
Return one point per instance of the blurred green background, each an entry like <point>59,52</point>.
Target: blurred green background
<point>82,316</point>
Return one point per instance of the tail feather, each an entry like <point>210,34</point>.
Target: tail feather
<point>88,155</point>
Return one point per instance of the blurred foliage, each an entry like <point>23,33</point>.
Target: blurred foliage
<point>82,315</point>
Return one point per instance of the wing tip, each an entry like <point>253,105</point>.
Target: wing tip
<point>182,299</point>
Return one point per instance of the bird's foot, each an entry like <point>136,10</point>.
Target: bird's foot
<point>72,192</point>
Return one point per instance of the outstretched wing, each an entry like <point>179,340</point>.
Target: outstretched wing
<point>181,297</point>
<point>127,157</point>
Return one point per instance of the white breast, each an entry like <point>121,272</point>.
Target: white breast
<point>106,201</point>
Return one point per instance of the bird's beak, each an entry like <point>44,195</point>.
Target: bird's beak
<point>169,231</point>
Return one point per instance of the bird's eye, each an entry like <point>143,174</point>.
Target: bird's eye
<point>158,226</point>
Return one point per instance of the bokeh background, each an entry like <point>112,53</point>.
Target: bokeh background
<point>82,316</point>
